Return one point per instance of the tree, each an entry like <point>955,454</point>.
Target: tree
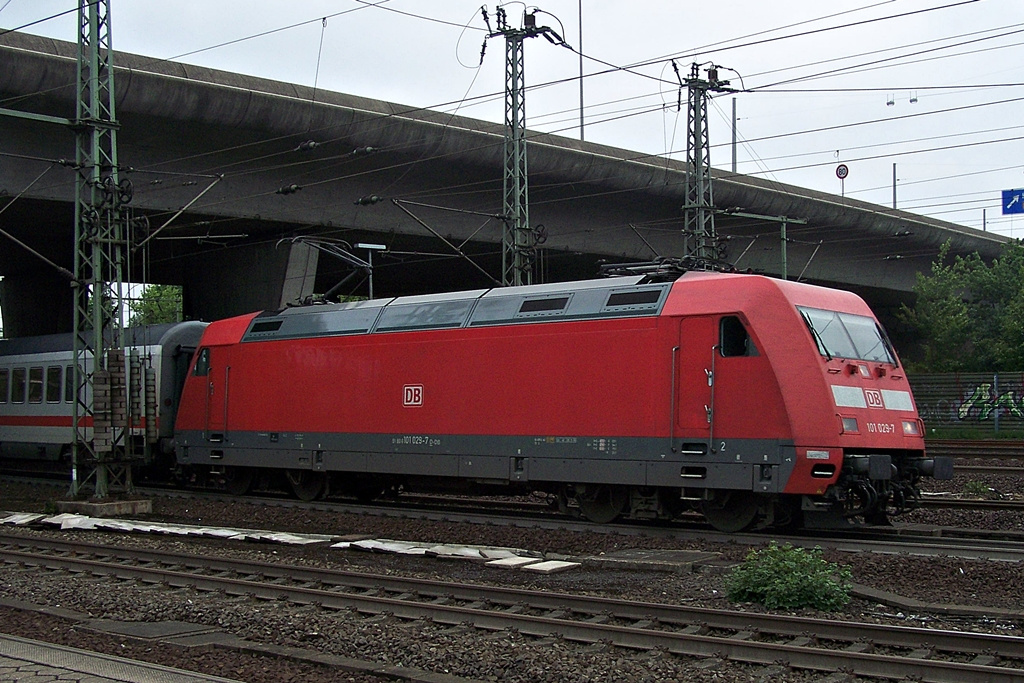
<point>156,304</point>
<point>971,313</point>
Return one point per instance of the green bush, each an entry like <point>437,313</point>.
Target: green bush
<point>977,489</point>
<point>789,577</point>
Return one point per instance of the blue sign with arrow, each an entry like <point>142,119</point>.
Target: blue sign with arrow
<point>1013,201</point>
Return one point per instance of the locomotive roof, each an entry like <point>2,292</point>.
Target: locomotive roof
<point>50,343</point>
<point>587,299</point>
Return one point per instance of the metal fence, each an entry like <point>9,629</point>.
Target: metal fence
<point>991,401</point>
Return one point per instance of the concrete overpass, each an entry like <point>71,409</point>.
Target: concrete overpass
<point>182,127</point>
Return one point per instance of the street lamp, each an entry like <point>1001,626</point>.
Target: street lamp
<point>369,257</point>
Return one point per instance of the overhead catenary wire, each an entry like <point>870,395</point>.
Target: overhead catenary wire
<point>428,157</point>
<point>291,26</point>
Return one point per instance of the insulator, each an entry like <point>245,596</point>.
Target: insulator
<point>125,191</point>
<point>367,200</point>
<point>363,150</point>
<point>540,234</point>
<point>307,145</point>
<point>151,406</point>
<point>288,189</point>
<point>109,190</point>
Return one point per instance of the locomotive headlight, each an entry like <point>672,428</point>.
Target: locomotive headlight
<point>911,428</point>
<point>850,425</point>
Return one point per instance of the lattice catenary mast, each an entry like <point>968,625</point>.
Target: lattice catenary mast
<point>100,412</point>
<point>701,239</point>
<point>519,240</point>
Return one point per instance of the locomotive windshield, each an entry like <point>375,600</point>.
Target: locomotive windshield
<point>845,335</point>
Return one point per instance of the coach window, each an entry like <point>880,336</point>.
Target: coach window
<point>69,384</point>
<point>202,368</point>
<point>35,385</point>
<point>5,384</point>
<point>18,385</point>
<point>733,338</point>
<point>53,382</point>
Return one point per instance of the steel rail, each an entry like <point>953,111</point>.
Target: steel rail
<point>983,448</point>
<point>987,469</point>
<point>973,504</point>
<point>424,599</point>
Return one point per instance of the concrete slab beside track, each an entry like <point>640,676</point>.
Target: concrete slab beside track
<point>23,659</point>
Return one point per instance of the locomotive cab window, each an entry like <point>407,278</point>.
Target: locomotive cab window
<point>849,336</point>
<point>202,368</point>
<point>733,338</point>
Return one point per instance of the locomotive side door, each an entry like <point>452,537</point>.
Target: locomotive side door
<point>694,376</point>
<point>217,374</point>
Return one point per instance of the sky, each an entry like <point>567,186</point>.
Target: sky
<point>935,87</point>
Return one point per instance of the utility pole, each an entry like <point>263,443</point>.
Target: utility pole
<point>581,68</point>
<point>519,241</point>
<point>894,185</point>
<point>734,135</point>
<point>698,211</point>
<point>100,411</point>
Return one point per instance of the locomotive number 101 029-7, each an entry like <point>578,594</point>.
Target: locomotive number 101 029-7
<point>881,428</point>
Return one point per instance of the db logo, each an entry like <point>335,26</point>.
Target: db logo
<point>874,398</point>
<point>412,395</point>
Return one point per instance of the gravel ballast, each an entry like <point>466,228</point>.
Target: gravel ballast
<point>460,652</point>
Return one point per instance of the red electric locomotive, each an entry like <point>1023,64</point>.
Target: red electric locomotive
<point>760,401</point>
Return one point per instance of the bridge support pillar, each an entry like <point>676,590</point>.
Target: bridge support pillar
<point>249,278</point>
<point>35,303</point>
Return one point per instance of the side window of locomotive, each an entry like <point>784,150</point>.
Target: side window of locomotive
<point>18,385</point>
<point>733,338</point>
<point>5,384</point>
<point>54,375</point>
<point>35,385</point>
<point>202,368</point>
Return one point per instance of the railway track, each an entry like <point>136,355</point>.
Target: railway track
<point>988,469</point>
<point>983,448</point>
<point>918,540</point>
<point>1005,546</point>
<point>801,643</point>
<point>973,504</point>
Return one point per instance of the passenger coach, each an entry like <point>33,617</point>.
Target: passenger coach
<point>37,390</point>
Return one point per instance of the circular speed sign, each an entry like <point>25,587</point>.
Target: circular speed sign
<point>842,170</point>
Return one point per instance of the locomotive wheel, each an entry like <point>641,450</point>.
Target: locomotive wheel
<point>305,484</point>
<point>238,480</point>
<point>602,504</point>
<point>731,511</point>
